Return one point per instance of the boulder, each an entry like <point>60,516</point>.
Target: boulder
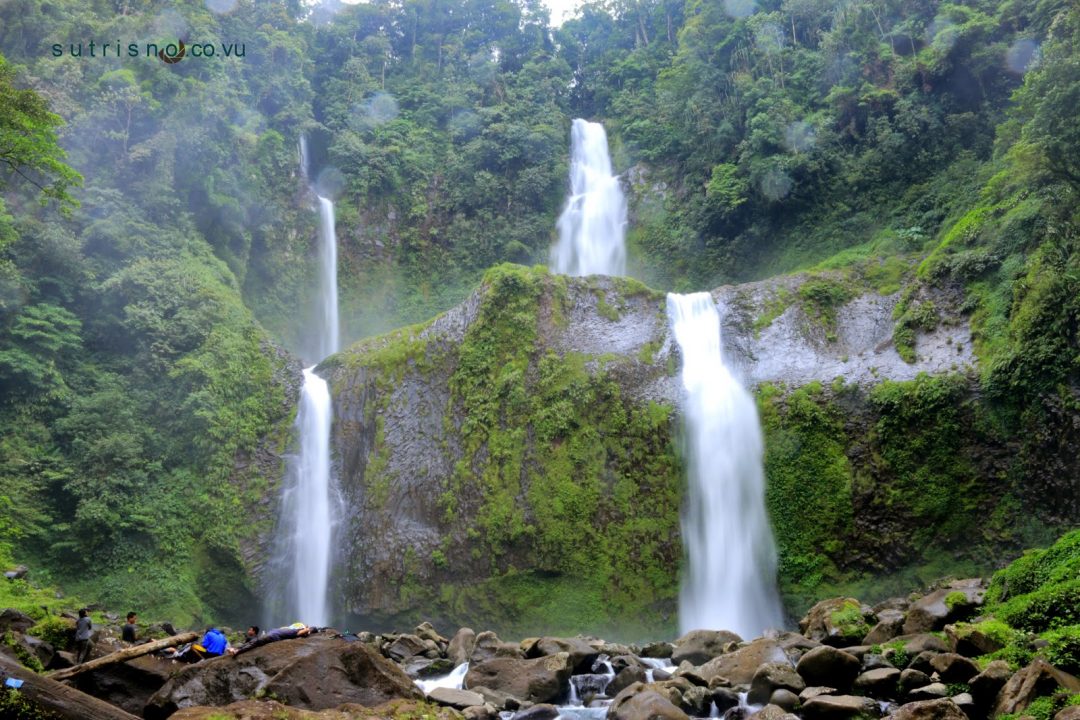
<point>498,700</point>
<point>659,650</point>
<point>458,699</point>
<point>425,631</point>
<point>911,679</point>
<point>890,624</point>
<point>785,699</point>
<point>986,685</point>
<point>311,673</point>
<point>872,661</point>
<point>12,619</point>
<point>1038,678</point>
<point>642,702</point>
<point>540,680</point>
<point>625,678</point>
<point>16,573</point>
<point>740,665</point>
<point>696,701</point>
<point>922,642</point>
<point>619,662</point>
<point>840,707</point>
<point>273,710</point>
<point>954,602</point>
<point>943,709</point>
<point>701,646</point>
<point>826,665</point>
<point>461,646</point>
<point>582,655</point>
<point>543,711</point>
<point>814,691</point>
<point>770,677</point>
<point>1072,712</point>
<point>924,662</point>
<point>966,702</point>
<point>953,668</point>
<point>488,646</point>
<point>838,622</point>
<point>724,698</point>
<point>127,685</point>
<point>422,667</point>
<point>773,712</point>
<point>929,692</point>
<point>405,647</point>
<point>970,640</point>
<point>878,683</point>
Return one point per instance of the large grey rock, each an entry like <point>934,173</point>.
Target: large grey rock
<point>701,646</point>
<point>740,665</point>
<point>16,620</point>
<point>943,709</point>
<point>828,666</point>
<point>425,631</point>
<point>773,712</point>
<point>696,701</point>
<point>970,640</point>
<point>405,647</point>
<point>838,622</point>
<point>542,711</point>
<point>840,707</point>
<point>127,685</point>
<point>932,691</point>
<point>488,646</point>
<point>540,680</point>
<point>642,702</point>
<point>770,677</point>
<point>310,673</point>
<point>986,685</point>
<point>785,699</point>
<point>461,646</point>
<point>458,699</point>
<point>953,668</point>
<point>955,602</point>
<point>890,624</point>
<point>1038,678</point>
<point>910,679</point>
<point>582,654</point>
<point>625,678</point>
<point>1072,712</point>
<point>657,650</point>
<point>878,683</point>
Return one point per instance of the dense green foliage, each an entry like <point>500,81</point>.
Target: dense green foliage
<point>857,139</point>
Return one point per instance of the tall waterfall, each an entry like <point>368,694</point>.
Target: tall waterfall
<point>592,228</point>
<point>309,505</point>
<point>730,583</point>
<point>307,516</point>
<point>329,342</point>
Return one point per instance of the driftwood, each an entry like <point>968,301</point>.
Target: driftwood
<point>57,698</point>
<point>123,655</point>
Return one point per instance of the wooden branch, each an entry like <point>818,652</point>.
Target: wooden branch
<point>59,699</point>
<point>123,655</point>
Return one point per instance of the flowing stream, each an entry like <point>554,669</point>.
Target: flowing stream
<point>592,228</point>
<point>730,582</point>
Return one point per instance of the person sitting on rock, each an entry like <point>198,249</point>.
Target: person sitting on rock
<point>283,633</point>
<point>213,644</point>
<point>127,634</point>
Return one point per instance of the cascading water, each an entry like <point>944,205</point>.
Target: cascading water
<point>592,228</point>
<point>307,509</point>
<point>328,338</point>
<point>730,582</point>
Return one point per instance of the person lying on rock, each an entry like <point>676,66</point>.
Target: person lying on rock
<point>282,633</point>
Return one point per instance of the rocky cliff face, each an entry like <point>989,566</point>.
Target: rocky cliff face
<point>514,462</point>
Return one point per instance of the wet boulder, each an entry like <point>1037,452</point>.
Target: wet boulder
<point>642,702</point>
<point>457,699</point>
<point>544,679</point>
<point>625,678</point>
<point>700,646</point>
<point>405,647</point>
<point>488,646</point>
<point>943,709</point>
<point>312,673</point>
<point>582,654</point>
<point>740,665</point>
<point>461,646</point>
<point>826,665</point>
<point>770,677</point>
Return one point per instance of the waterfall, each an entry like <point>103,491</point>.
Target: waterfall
<point>729,583</point>
<point>328,338</point>
<point>310,504</point>
<point>307,513</point>
<point>592,228</point>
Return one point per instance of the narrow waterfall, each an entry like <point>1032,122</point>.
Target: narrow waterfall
<point>310,505</point>
<point>329,342</point>
<point>307,514</point>
<point>592,228</point>
<point>730,582</point>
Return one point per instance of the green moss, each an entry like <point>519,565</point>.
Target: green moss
<point>821,297</point>
<point>55,630</point>
<point>24,656</point>
<point>772,308</point>
<point>850,621</point>
<point>955,598</point>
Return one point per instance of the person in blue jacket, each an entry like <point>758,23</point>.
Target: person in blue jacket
<point>212,645</point>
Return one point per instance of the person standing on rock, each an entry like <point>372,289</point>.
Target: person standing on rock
<point>84,630</point>
<point>127,634</point>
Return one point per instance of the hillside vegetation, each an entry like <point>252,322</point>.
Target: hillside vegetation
<point>916,146</point>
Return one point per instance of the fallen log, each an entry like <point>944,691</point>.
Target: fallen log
<point>59,699</point>
<point>123,655</point>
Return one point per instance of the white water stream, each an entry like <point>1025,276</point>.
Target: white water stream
<point>592,227</point>
<point>730,582</point>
